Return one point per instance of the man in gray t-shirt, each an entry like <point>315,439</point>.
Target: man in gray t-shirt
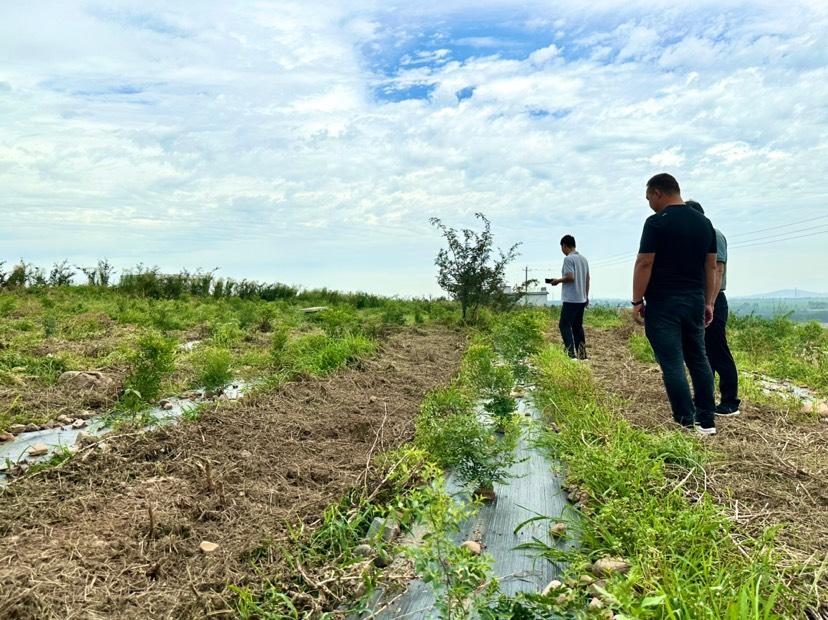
<point>575,298</point>
<point>715,335</point>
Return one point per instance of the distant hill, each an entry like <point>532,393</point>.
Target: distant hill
<point>788,293</point>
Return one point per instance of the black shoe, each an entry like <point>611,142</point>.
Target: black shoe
<point>705,423</point>
<point>727,410</point>
<point>685,424</point>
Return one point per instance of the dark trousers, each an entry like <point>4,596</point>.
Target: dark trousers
<point>718,353</point>
<point>572,328</point>
<point>674,324</point>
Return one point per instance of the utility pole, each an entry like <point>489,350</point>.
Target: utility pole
<point>526,286</point>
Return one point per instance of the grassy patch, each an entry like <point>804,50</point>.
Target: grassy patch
<point>645,501</point>
<point>602,317</point>
<point>641,349</point>
<point>782,349</point>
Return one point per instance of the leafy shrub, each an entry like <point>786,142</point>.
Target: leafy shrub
<point>152,361</point>
<point>449,429</point>
<point>337,321</point>
<point>212,366</point>
<point>226,334</point>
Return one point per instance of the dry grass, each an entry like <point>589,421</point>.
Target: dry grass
<point>117,533</point>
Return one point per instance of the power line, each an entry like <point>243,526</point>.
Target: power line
<point>782,234</point>
<point>749,245</point>
<point>810,219</point>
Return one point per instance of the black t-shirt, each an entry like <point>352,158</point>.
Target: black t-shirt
<point>681,238</point>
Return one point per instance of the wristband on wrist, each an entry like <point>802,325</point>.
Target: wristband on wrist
<point>637,303</point>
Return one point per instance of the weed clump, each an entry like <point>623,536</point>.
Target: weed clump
<point>152,361</point>
<point>212,366</point>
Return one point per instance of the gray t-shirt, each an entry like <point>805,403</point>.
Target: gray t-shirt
<point>575,291</point>
<point>721,255</point>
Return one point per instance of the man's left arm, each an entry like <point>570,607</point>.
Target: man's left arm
<point>587,288</point>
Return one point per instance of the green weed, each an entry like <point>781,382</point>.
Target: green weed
<point>641,349</point>
<point>152,361</point>
<point>212,367</point>
<point>645,503</point>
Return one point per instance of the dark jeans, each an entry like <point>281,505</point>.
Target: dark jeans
<point>674,324</point>
<point>718,353</point>
<point>572,328</point>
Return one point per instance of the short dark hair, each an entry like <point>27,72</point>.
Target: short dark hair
<point>694,205</point>
<point>664,182</point>
<point>568,241</point>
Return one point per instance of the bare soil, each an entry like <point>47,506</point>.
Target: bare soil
<point>116,532</point>
<point>771,467</point>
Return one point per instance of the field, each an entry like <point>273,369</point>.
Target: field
<point>264,507</point>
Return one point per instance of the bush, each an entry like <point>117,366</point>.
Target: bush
<point>212,366</point>
<point>152,361</point>
<point>449,429</point>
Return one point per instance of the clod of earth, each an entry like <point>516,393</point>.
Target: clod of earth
<point>78,423</point>
<point>473,547</point>
<point>39,449</point>
<point>208,547</point>
<point>16,429</point>
<point>596,603</point>
<point>31,428</point>
<point>64,419</point>
<point>551,587</point>
<point>86,415</point>
<point>486,494</point>
<point>166,405</point>
<point>85,380</point>
<point>606,567</point>
<point>6,437</point>
<point>586,580</point>
<point>557,530</point>
<point>363,550</point>
<point>85,439</point>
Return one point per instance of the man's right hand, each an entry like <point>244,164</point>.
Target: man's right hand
<point>708,314</point>
<point>638,314</point>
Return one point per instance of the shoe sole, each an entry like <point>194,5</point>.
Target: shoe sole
<point>731,414</point>
<point>705,431</point>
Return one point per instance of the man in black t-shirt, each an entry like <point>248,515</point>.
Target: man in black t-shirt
<point>675,277</point>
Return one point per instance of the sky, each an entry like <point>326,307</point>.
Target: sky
<point>310,142</point>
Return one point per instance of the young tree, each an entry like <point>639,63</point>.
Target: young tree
<point>468,271</point>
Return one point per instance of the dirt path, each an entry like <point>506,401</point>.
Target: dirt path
<point>81,543</point>
<point>771,470</point>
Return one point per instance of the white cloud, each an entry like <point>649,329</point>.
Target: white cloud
<point>252,136</point>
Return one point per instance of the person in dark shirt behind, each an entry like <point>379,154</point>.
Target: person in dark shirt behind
<point>674,277</point>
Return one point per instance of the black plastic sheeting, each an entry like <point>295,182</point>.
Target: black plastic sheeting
<point>533,490</point>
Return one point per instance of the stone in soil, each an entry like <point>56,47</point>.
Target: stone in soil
<point>609,566</point>
<point>39,449</point>
<point>473,546</point>
<point>552,586</point>
<point>557,530</point>
<point>16,429</point>
<point>86,415</point>
<point>64,419</point>
<point>78,423</point>
<point>31,428</point>
<point>6,437</point>
<point>208,547</point>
